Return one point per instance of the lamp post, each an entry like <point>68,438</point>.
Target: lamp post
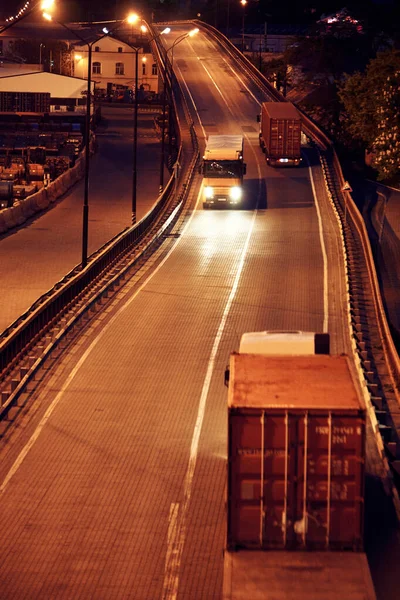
<point>243,3</point>
<point>85,215</point>
<point>135,126</point>
<point>40,54</point>
<point>171,48</point>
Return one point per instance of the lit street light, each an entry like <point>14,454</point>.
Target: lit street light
<point>243,3</point>
<point>40,54</point>
<point>85,219</point>
<point>135,126</point>
<point>171,48</point>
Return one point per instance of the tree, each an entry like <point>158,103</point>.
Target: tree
<point>370,101</point>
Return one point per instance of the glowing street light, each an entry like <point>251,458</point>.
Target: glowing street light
<point>135,126</point>
<point>180,39</point>
<point>243,3</point>
<point>85,219</point>
<point>132,18</point>
<point>47,5</point>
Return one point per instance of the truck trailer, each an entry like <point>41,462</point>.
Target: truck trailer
<point>223,169</point>
<point>280,133</point>
<point>296,456</point>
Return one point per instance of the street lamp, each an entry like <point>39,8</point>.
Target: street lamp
<point>85,219</point>
<point>243,3</point>
<point>40,54</point>
<point>135,126</point>
<point>171,48</point>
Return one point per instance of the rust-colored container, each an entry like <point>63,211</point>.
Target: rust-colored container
<point>296,447</point>
<point>280,133</point>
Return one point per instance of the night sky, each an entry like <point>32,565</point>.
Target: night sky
<point>288,12</point>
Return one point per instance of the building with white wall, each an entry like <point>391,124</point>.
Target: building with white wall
<point>113,66</point>
<point>67,94</point>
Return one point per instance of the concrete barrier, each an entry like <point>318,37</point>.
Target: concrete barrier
<point>13,216</point>
<point>27,208</point>
<point>40,200</point>
<point>23,210</point>
<point>3,224</point>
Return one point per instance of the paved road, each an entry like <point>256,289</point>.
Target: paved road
<point>38,254</point>
<point>113,483</point>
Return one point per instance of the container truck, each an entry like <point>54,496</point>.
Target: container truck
<point>223,169</point>
<point>280,133</point>
<point>296,455</point>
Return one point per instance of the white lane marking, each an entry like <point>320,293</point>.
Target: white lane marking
<point>22,455</point>
<point>323,249</point>
<point>171,577</point>
<point>237,77</point>
<point>172,525</point>
<point>321,233</point>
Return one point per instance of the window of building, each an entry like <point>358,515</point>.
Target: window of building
<point>119,68</point>
<point>119,48</point>
<point>143,68</point>
<point>154,69</point>
<point>96,68</point>
<point>97,48</point>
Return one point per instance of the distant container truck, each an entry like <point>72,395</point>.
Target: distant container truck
<point>280,133</point>
<point>223,169</point>
<point>296,457</point>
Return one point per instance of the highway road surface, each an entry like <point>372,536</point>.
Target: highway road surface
<point>112,486</point>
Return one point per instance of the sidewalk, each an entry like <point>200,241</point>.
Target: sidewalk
<point>39,253</point>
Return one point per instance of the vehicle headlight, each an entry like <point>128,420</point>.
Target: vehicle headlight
<point>209,192</point>
<point>235,193</point>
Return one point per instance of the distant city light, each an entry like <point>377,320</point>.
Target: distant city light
<point>19,13</point>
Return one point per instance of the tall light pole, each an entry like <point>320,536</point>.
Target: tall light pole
<point>40,54</point>
<point>135,128</point>
<point>85,215</point>
<point>171,48</point>
<point>135,120</point>
<point>243,3</point>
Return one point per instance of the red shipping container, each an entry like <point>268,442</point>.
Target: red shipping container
<point>296,451</point>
